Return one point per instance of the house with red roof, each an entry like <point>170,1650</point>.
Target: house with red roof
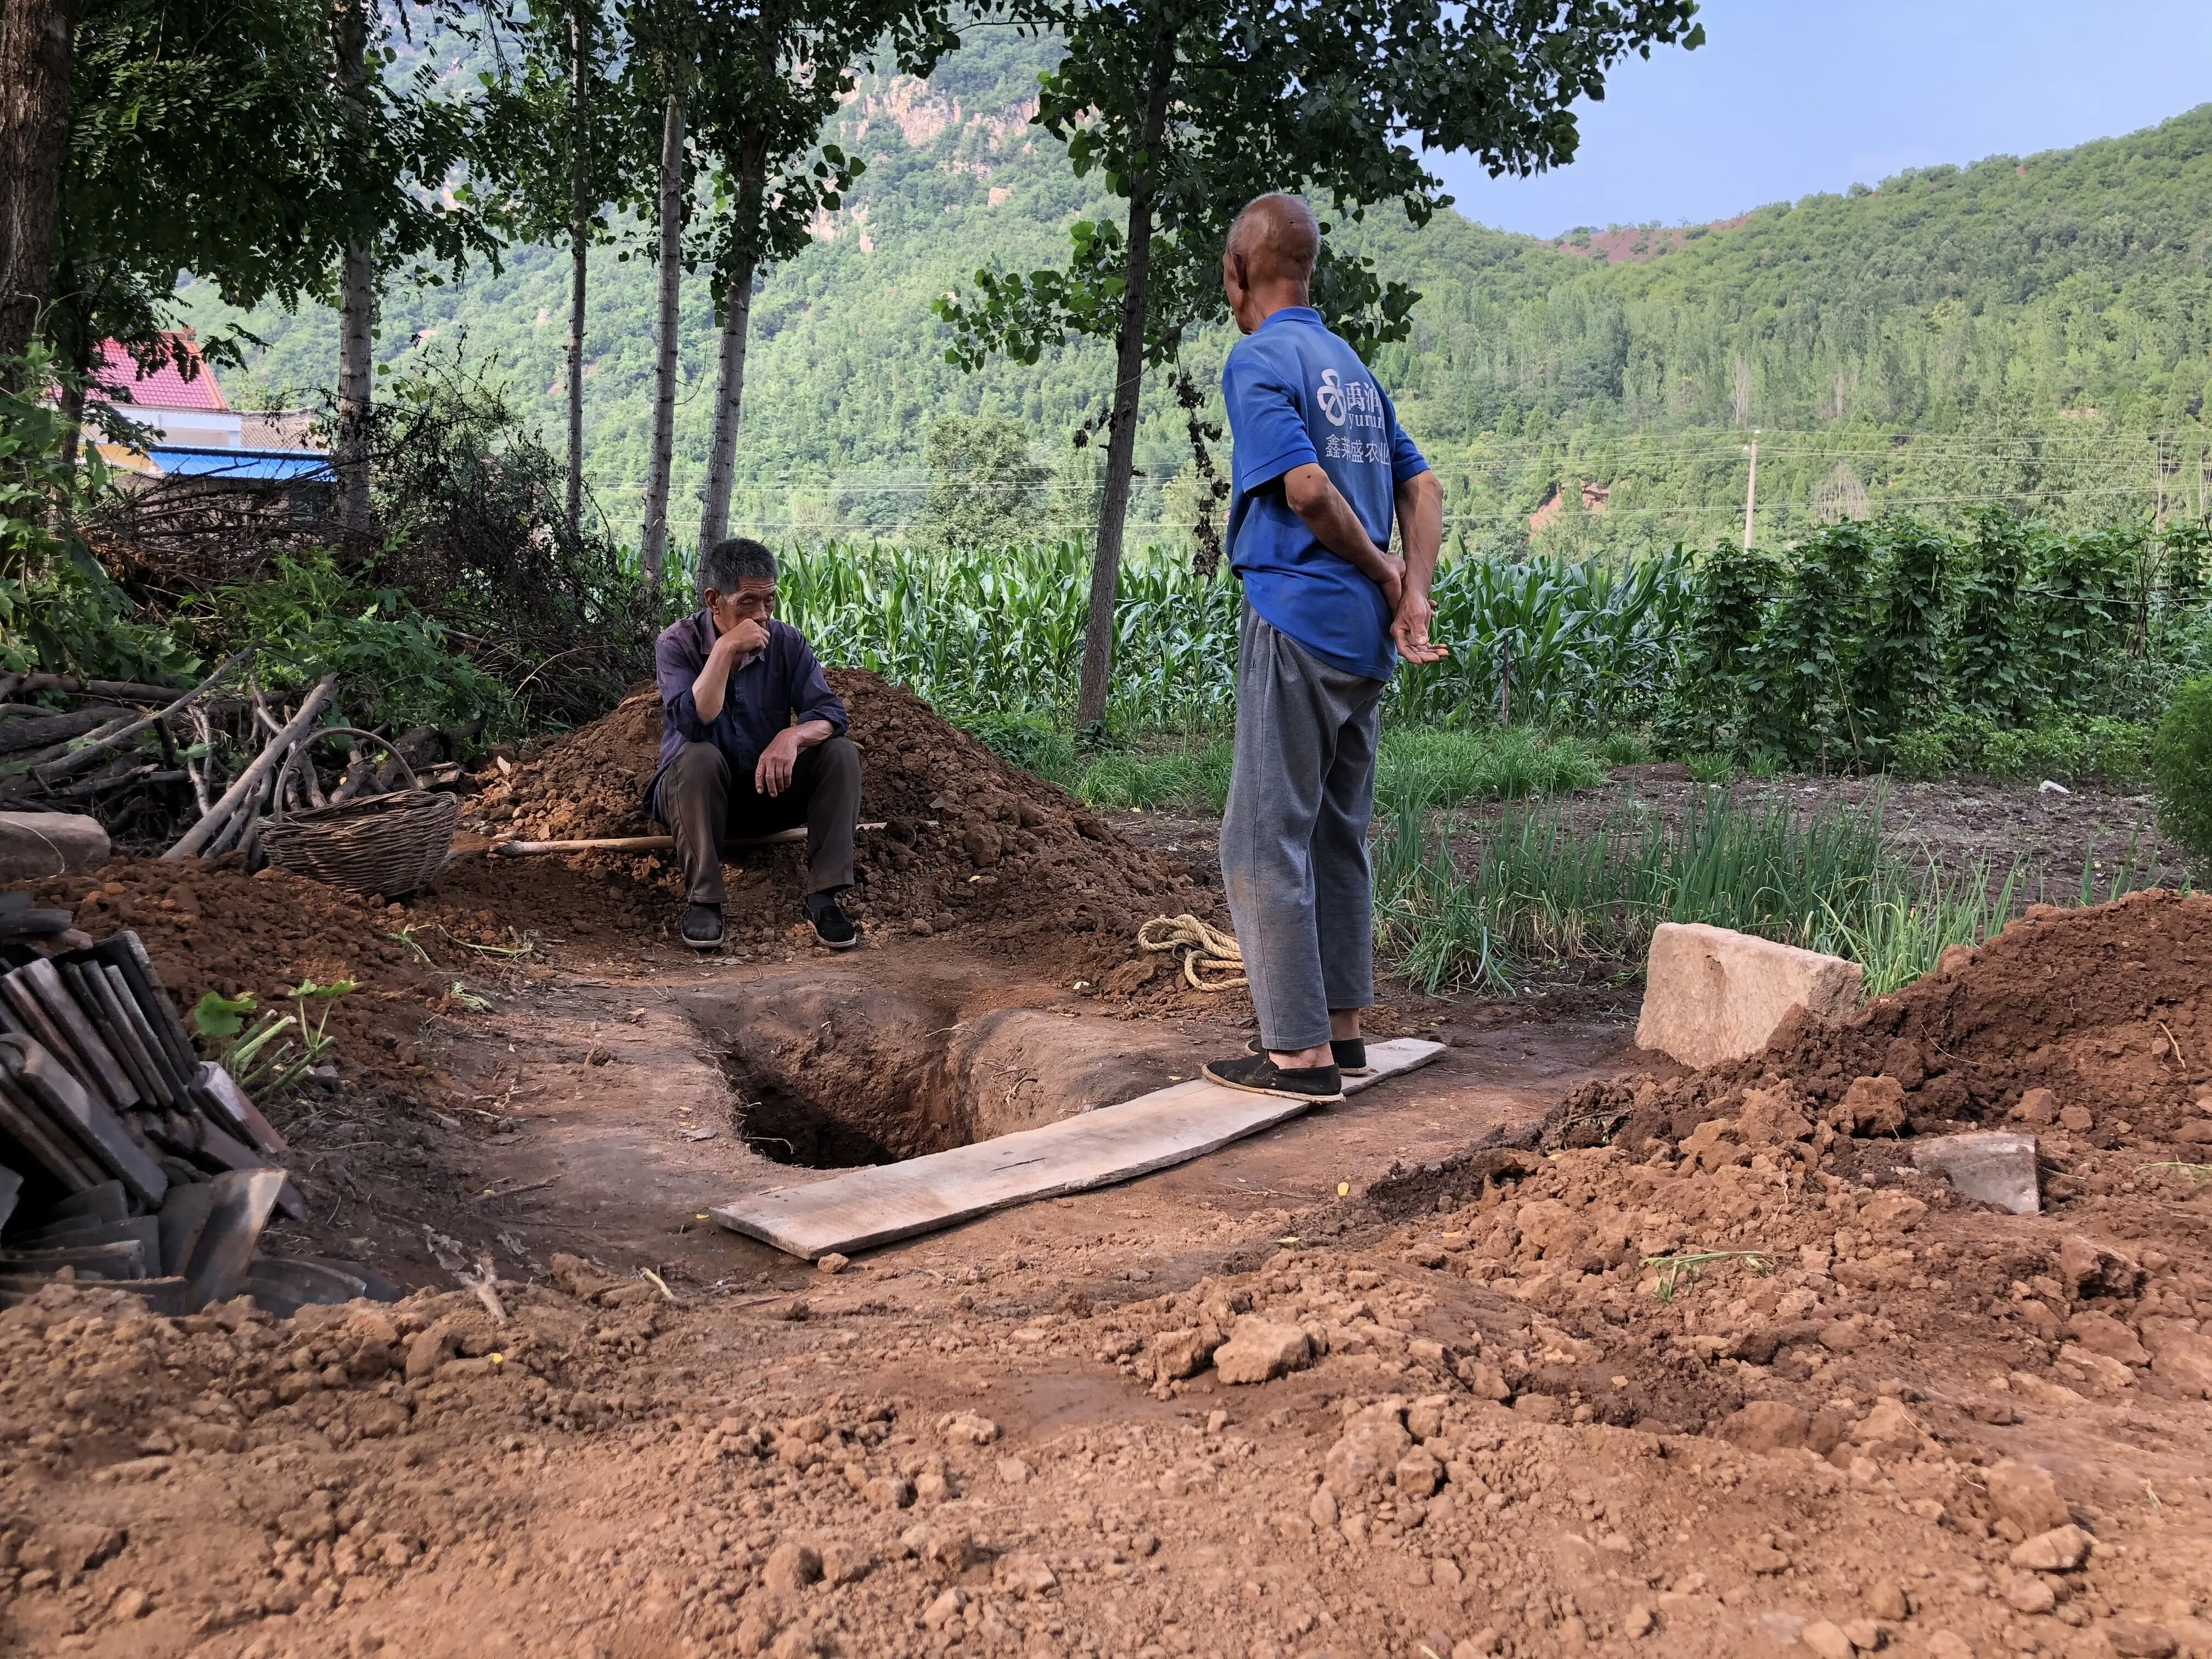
<point>193,433</point>
<point>179,400</point>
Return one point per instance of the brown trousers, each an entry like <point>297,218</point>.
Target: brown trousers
<point>704,806</point>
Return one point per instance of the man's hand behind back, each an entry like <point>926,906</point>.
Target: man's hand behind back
<point>1411,618</point>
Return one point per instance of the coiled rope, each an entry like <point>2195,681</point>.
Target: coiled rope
<point>1206,949</point>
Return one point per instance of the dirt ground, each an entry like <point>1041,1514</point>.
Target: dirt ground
<point>1733,1380</point>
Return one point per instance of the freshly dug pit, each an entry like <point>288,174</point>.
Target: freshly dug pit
<point>829,1077</point>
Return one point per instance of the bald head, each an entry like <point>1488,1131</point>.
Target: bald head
<point>1268,263</point>
<point>1277,238</point>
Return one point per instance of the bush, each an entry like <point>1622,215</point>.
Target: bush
<point>396,668</point>
<point>2181,766</point>
<point>2115,752</point>
<point>1924,753</point>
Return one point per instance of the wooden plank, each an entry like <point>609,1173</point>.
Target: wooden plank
<point>70,1103</point>
<point>98,1069</point>
<point>89,983</point>
<point>183,1218</point>
<point>220,1151</point>
<point>125,1260</point>
<point>243,1200</point>
<point>139,1031</point>
<point>105,1202</point>
<point>213,1085</point>
<point>127,950</point>
<point>144,1230</point>
<point>54,1151</point>
<point>866,1207</point>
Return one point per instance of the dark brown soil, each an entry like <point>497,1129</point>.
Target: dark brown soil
<point>972,845</point>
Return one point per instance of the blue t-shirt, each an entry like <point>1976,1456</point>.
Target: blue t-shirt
<point>1296,393</point>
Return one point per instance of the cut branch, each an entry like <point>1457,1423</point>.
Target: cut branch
<point>247,786</point>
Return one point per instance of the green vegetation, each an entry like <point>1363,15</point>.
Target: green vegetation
<point>2010,649</point>
<point>1542,890</point>
<point>2181,761</point>
<point>2018,330</point>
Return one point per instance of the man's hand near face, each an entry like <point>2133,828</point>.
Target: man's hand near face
<point>741,631</point>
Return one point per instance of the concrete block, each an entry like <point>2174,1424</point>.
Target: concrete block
<point>1711,994</point>
<point>1990,1166</point>
<point>35,845</point>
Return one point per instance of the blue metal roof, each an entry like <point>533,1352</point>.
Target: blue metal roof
<point>269,465</point>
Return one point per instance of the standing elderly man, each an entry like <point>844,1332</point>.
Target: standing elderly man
<point>1321,470</point>
<point>753,741</point>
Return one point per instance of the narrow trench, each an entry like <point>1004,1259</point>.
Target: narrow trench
<point>832,1077</point>
<point>859,1095</point>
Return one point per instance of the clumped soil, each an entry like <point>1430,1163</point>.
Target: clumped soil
<point>1731,1381</point>
<point>971,845</point>
<point>2104,1007</point>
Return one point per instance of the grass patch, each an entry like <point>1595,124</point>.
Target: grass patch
<point>1195,779</point>
<point>1678,1271</point>
<point>1542,890</point>
<point>1425,768</point>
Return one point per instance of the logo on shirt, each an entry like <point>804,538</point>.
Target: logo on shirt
<point>1330,395</point>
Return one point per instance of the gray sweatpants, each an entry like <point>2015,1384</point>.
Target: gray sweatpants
<point>1294,838</point>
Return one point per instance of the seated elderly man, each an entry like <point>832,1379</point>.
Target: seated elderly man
<point>753,741</point>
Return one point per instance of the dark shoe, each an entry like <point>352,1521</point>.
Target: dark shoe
<point>1257,1074</point>
<point>1350,1054</point>
<point>831,925</point>
<point>702,928</point>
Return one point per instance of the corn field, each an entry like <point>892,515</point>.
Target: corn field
<point>999,632</point>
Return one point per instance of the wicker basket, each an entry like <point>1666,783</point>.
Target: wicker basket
<point>388,844</point>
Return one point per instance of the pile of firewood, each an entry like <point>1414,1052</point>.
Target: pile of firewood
<point>197,767</point>
<point>123,1155</point>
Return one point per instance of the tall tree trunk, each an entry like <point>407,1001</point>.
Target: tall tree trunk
<point>653,545</point>
<point>1128,376</point>
<point>35,40</point>
<point>579,230</point>
<point>729,400</point>
<point>730,385</point>
<point>356,299</point>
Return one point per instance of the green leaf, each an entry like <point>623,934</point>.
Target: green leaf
<point>216,1015</point>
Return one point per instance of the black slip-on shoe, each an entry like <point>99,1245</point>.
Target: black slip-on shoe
<point>1257,1074</point>
<point>831,925</point>
<point>702,928</point>
<point>1350,1054</point>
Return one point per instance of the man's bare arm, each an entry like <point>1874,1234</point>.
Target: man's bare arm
<point>1421,502</point>
<point>1323,510</point>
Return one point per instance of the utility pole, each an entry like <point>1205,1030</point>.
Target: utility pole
<point>1750,488</point>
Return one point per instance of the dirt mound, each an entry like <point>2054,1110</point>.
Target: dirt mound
<point>969,843</point>
<point>2107,1007</point>
<point>209,926</point>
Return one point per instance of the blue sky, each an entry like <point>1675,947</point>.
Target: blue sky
<point>1788,97</point>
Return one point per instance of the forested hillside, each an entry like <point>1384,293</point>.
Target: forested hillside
<point>2035,330</point>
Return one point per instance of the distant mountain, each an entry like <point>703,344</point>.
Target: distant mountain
<point>2035,330</point>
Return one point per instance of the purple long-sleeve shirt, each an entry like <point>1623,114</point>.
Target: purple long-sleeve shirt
<point>764,693</point>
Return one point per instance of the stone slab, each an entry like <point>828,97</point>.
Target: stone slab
<point>861,1209</point>
<point>1990,1166</point>
<point>1712,994</point>
<point>35,844</point>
